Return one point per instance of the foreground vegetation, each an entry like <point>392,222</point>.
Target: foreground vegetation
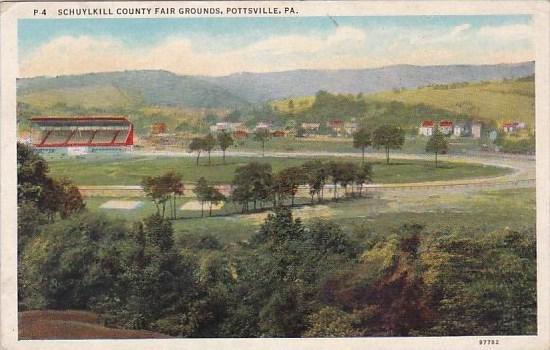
<point>289,279</point>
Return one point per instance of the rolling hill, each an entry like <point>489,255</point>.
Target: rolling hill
<point>259,87</point>
<point>491,101</point>
<point>129,88</point>
<point>148,96</point>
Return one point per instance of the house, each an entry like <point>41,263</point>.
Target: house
<point>426,128</point>
<point>476,129</point>
<point>462,129</point>
<point>279,133</point>
<point>311,126</point>
<point>336,125</point>
<point>227,126</point>
<point>446,127</point>
<point>511,127</point>
<point>350,127</point>
<point>264,125</point>
<point>240,134</point>
<point>158,128</point>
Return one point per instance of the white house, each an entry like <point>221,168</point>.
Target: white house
<point>311,126</point>
<point>350,127</point>
<point>446,127</point>
<point>426,128</point>
<point>476,130</point>
<point>264,125</point>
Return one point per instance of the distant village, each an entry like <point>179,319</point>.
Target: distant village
<point>341,128</point>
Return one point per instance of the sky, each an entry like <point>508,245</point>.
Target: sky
<point>222,46</point>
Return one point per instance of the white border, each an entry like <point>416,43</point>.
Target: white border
<point>11,12</point>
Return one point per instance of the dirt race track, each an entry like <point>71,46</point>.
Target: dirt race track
<point>523,175</point>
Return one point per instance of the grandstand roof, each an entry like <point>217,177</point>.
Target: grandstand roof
<point>52,121</point>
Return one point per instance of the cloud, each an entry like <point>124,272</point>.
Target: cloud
<point>342,47</point>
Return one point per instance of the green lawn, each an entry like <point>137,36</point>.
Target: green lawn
<point>129,170</point>
<point>415,144</point>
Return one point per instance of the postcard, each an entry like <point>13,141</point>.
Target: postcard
<point>272,175</point>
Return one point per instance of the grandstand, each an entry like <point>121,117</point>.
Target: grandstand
<point>88,133</point>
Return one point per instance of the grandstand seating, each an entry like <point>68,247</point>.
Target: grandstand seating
<point>81,136</point>
<point>93,131</point>
<point>104,136</point>
<point>58,137</point>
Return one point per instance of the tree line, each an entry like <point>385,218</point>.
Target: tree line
<point>256,184</point>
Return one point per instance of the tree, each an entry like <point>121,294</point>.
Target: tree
<point>288,181</point>
<point>224,141</point>
<point>214,197</point>
<point>347,175</point>
<point>335,170</point>
<point>362,139</point>
<point>197,145</point>
<point>262,135</point>
<point>252,183</point>
<point>209,143</point>
<point>202,191</point>
<point>333,322</point>
<point>388,137</point>
<point>158,190</point>
<point>316,173</point>
<point>437,144</point>
<point>175,186</point>
<point>362,176</point>
<point>49,195</point>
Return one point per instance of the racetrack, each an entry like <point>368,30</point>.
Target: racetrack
<point>523,175</point>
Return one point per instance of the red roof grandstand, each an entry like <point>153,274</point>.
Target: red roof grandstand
<point>82,131</point>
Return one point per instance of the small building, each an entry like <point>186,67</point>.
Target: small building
<point>512,127</point>
<point>158,128</point>
<point>240,134</point>
<point>264,125</point>
<point>446,127</point>
<point>476,129</point>
<point>426,128</point>
<point>311,126</point>
<point>350,127</point>
<point>227,126</point>
<point>462,129</point>
<point>335,124</point>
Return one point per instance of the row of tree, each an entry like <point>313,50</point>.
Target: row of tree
<point>387,137</point>
<point>393,137</point>
<point>257,184</point>
<point>208,142</point>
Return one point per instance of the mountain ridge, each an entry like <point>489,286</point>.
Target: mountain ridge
<point>161,87</point>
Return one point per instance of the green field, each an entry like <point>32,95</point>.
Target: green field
<point>129,170</point>
<point>340,144</point>
<point>474,212</point>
